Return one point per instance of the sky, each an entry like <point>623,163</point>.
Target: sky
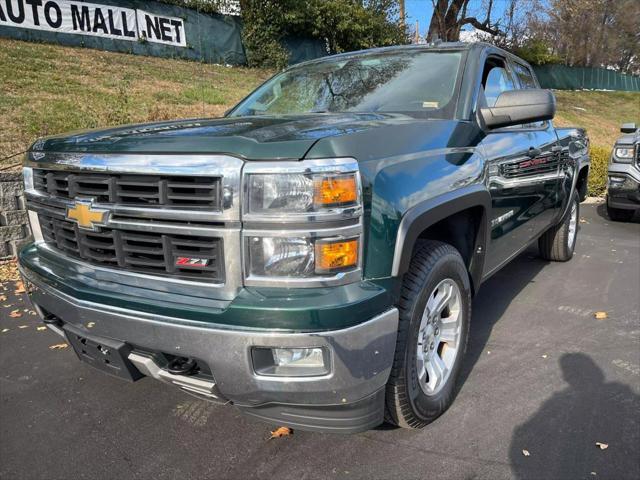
<point>421,10</point>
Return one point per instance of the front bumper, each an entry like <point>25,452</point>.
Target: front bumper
<point>623,187</point>
<point>349,399</point>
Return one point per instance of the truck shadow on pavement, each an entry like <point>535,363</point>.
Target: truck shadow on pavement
<point>561,436</point>
<point>493,299</point>
<point>601,209</point>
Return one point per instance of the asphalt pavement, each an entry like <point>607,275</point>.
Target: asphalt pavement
<point>545,382</point>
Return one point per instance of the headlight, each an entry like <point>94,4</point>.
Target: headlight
<point>302,223</point>
<point>301,256</point>
<point>280,257</point>
<point>302,189</point>
<point>623,154</point>
<point>277,194</point>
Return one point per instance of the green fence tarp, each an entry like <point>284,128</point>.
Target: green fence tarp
<point>209,38</point>
<point>561,77</point>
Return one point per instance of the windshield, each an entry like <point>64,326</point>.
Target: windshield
<point>418,83</point>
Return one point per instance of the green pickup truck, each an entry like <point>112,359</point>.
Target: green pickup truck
<point>311,257</point>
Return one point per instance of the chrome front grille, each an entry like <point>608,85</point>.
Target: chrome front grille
<point>130,189</point>
<point>173,218</point>
<point>144,252</point>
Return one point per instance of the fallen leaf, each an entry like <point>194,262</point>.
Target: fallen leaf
<point>15,314</point>
<point>526,453</point>
<point>281,432</point>
<point>23,326</point>
<point>601,315</point>
<point>5,330</point>
<point>58,346</point>
<point>603,446</point>
<point>19,288</point>
<point>9,271</point>
<point>41,328</point>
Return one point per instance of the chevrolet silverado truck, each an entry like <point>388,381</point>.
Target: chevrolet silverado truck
<point>309,258</point>
<point>623,186</point>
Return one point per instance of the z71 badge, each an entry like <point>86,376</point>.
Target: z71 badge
<point>192,262</point>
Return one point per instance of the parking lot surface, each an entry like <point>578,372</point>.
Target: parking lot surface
<point>545,381</point>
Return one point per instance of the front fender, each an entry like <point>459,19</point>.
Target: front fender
<point>397,188</point>
<point>428,213</point>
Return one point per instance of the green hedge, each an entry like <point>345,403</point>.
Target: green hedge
<point>598,173</point>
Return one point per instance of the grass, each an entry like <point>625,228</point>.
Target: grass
<point>48,89</point>
<point>601,113</point>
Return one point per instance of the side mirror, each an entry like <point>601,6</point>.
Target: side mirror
<point>628,128</point>
<point>516,107</point>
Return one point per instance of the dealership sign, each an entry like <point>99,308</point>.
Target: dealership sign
<point>82,18</point>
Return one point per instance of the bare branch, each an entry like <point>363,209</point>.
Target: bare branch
<point>483,26</point>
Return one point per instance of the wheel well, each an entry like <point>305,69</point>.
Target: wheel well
<point>459,230</point>
<point>582,183</point>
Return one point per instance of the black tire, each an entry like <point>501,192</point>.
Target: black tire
<point>407,405</point>
<point>555,244</point>
<point>619,214</point>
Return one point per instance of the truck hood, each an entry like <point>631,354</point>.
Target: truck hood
<point>258,138</point>
<point>628,138</point>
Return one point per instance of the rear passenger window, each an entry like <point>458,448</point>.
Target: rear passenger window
<point>498,81</point>
<point>524,76</point>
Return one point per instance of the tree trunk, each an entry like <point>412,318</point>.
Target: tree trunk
<point>436,26</point>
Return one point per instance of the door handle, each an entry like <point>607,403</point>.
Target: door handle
<point>534,152</point>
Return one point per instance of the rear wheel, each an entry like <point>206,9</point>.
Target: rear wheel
<point>559,242</point>
<point>435,309</point>
<point>619,214</point>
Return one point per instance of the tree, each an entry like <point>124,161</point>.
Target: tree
<point>592,33</point>
<point>449,16</point>
<point>344,25</point>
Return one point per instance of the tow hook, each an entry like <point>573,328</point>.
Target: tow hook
<point>182,366</point>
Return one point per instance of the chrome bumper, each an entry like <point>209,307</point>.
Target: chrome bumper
<point>361,356</point>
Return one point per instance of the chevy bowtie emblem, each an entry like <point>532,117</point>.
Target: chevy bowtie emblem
<point>85,216</point>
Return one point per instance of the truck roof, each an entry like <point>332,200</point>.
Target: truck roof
<point>436,46</point>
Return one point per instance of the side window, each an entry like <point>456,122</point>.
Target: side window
<point>497,80</point>
<point>524,76</point>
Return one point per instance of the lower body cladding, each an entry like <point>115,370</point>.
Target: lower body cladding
<point>346,396</point>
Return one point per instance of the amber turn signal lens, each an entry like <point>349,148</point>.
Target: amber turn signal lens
<point>337,190</point>
<point>336,255</point>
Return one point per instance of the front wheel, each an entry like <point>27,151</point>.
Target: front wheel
<point>559,242</point>
<point>435,309</point>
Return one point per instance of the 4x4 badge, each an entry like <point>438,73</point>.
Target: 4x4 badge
<point>85,216</point>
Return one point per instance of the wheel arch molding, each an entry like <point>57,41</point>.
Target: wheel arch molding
<point>432,213</point>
